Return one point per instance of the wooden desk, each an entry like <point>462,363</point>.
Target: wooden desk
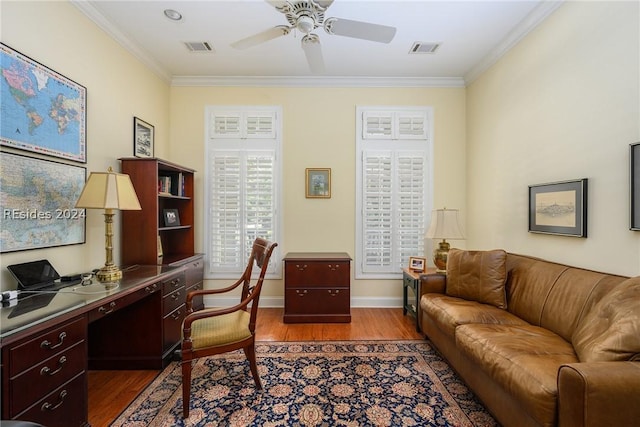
<point>48,347</point>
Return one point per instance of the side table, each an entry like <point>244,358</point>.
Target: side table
<point>411,292</point>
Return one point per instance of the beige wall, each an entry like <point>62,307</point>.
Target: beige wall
<point>562,105</point>
<point>118,86</point>
<point>319,131</point>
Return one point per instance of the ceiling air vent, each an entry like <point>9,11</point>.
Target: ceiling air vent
<point>424,47</point>
<point>199,46</point>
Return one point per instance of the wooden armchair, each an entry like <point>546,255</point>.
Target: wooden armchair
<point>214,331</point>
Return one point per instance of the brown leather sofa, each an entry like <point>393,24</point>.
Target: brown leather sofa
<point>540,343</point>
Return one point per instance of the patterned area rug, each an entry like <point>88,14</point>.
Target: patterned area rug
<point>350,383</point>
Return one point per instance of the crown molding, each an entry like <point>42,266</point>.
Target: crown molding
<point>527,25</point>
<point>298,81</point>
<point>98,19</point>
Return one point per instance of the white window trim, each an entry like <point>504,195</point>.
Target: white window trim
<point>210,110</point>
<point>366,142</point>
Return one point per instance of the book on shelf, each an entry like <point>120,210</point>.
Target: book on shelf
<point>171,185</point>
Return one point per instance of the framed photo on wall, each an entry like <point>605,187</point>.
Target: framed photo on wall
<point>559,208</point>
<point>318,183</point>
<point>635,186</point>
<point>143,138</point>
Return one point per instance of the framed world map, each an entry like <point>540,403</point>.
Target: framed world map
<point>42,111</point>
<point>37,201</point>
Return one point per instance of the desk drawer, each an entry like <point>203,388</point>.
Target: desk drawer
<point>172,284</point>
<point>65,406</point>
<point>317,274</point>
<point>195,272</point>
<point>174,300</point>
<point>172,328</point>
<point>112,306</point>
<point>317,301</point>
<point>40,380</point>
<point>44,346</point>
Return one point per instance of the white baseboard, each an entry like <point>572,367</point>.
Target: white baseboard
<point>277,302</point>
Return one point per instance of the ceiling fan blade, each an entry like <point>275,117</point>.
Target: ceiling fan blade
<point>324,3</point>
<point>264,36</point>
<point>313,52</point>
<point>359,30</point>
<point>277,3</point>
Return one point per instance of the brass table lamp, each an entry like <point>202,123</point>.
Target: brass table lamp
<point>109,191</point>
<point>444,225</point>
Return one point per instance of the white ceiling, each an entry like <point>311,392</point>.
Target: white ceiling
<point>473,34</point>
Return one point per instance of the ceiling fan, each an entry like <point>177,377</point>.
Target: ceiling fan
<point>308,15</point>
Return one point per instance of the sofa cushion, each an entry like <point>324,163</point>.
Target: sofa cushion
<point>477,276</point>
<point>611,329</point>
<point>450,312</point>
<point>523,359</point>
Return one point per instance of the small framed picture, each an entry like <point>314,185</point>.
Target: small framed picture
<point>559,208</point>
<point>142,138</point>
<point>171,217</point>
<point>318,183</point>
<point>417,264</point>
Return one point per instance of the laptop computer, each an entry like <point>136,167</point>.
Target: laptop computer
<point>38,276</point>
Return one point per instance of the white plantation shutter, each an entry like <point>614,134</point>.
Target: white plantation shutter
<point>396,125</point>
<point>410,217</point>
<point>225,212</point>
<point>243,124</point>
<point>394,191</point>
<point>242,187</point>
<point>377,125</point>
<point>411,125</point>
<point>260,125</point>
<point>377,212</point>
<point>226,125</point>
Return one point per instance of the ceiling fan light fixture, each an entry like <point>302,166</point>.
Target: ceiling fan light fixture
<point>305,24</point>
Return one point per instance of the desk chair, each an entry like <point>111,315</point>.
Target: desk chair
<point>214,331</point>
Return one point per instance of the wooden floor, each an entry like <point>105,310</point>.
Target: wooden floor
<point>110,392</point>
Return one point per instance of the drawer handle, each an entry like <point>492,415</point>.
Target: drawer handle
<point>46,406</point>
<point>47,344</point>
<point>301,293</point>
<point>333,293</point>
<point>176,315</point>
<point>175,283</point>
<point>152,288</point>
<point>47,370</point>
<point>334,267</point>
<point>112,306</point>
<point>176,296</point>
<point>301,267</point>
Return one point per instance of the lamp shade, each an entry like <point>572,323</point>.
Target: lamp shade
<point>109,190</point>
<point>445,224</point>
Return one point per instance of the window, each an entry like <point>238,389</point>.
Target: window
<point>242,186</point>
<point>393,188</point>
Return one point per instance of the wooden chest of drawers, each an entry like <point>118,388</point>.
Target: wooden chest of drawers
<point>317,287</point>
<point>45,375</point>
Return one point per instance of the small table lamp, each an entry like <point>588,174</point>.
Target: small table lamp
<point>109,191</point>
<point>444,225</point>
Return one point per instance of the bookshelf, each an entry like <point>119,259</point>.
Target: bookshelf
<point>165,191</point>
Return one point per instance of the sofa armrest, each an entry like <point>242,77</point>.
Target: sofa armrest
<point>432,284</point>
<point>598,394</point>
